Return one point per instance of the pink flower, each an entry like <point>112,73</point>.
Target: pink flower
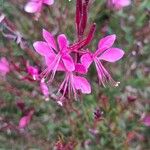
<point>56,58</point>
<point>73,82</point>
<point>146,120</point>
<point>33,71</point>
<point>35,6</point>
<point>24,121</point>
<point>44,89</point>
<point>118,4</point>
<point>4,66</point>
<point>104,52</point>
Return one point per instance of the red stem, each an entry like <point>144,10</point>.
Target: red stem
<point>86,41</point>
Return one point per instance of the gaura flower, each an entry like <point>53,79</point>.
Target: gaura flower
<point>35,6</point>
<point>33,71</point>
<point>27,114</point>
<point>118,4</point>
<point>55,58</point>
<point>26,119</point>
<point>73,82</point>
<point>104,52</point>
<point>4,66</point>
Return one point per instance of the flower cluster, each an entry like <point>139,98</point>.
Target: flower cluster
<point>74,60</point>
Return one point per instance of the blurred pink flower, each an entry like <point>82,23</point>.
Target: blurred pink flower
<point>146,120</point>
<point>33,71</point>
<point>55,59</point>
<point>35,6</point>
<point>106,53</point>
<point>4,66</point>
<point>24,121</point>
<point>44,89</point>
<point>118,4</point>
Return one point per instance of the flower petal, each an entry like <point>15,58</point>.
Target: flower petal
<point>86,60</point>
<point>49,39</point>
<point>63,42</point>
<point>3,69</point>
<point>50,59</point>
<point>82,84</point>
<point>124,3</point>
<point>79,68</point>
<point>105,43</point>
<point>68,62</point>
<point>146,120</point>
<point>32,7</point>
<point>4,66</point>
<point>112,55</point>
<point>42,48</point>
<point>48,2</point>
<point>24,121</point>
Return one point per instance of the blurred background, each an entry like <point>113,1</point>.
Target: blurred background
<point>109,118</point>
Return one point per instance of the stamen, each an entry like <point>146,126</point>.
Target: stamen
<point>104,76</point>
<point>52,68</point>
<point>73,87</point>
<point>68,84</point>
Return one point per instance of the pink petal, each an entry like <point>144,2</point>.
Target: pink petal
<point>50,59</point>
<point>4,61</point>
<point>24,121</point>
<point>112,55</point>
<point>68,62</point>
<point>124,3</point>
<point>3,69</point>
<point>33,71</point>
<point>49,39</point>
<point>42,48</point>
<point>82,84</point>
<point>118,4</point>
<point>61,67</point>
<point>63,42</point>
<point>48,2</point>
<point>146,120</point>
<point>79,68</point>
<point>32,7</point>
<point>86,60</point>
<point>105,43</point>
<point>4,66</point>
